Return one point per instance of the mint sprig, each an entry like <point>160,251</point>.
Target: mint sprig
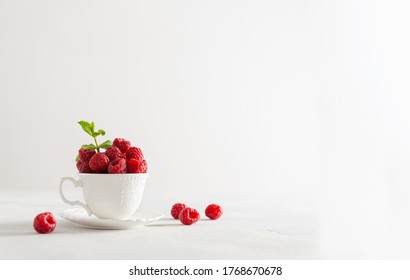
<point>90,129</point>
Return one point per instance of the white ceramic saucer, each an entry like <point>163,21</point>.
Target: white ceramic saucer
<point>139,218</point>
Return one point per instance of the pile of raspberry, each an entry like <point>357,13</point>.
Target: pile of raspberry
<point>120,158</point>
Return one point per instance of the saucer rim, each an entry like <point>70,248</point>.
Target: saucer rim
<point>97,223</point>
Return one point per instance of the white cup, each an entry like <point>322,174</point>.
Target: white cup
<point>108,196</point>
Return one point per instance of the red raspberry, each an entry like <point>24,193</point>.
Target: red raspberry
<point>83,167</point>
<point>188,216</point>
<point>117,166</point>
<point>79,165</point>
<point>99,162</point>
<point>176,209</point>
<point>135,152</point>
<point>85,154</point>
<point>44,222</point>
<point>134,166</point>
<point>143,166</point>
<point>213,211</point>
<point>113,153</point>
<point>121,144</point>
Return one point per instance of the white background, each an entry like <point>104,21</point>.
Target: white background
<point>222,96</point>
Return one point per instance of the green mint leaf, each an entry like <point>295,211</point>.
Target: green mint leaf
<point>86,127</point>
<point>77,158</point>
<point>99,132</point>
<point>89,146</point>
<point>92,126</point>
<point>106,144</point>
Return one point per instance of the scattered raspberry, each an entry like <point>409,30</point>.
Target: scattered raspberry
<point>44,222</point>
<point>176,209</point>
<point>188,216</point>
<point>83,167</point>
<point>121,144</point>
<point>134,166</point>
<point>99,162</point>
<point>135,152</point>
<point>85,154</point>
<point>117,166</point>
<point>213,211</point>
<point>113,153</point>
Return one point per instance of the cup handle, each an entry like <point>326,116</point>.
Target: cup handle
<point>76,183</point>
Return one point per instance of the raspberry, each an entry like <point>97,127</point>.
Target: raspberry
<point>99,162</point>
<point>44,222</point>
<point>113,153</point>
<point>121,144</point>
<point>85,154</point>
<point>117,166</point>
<point>83,167</point>
<point>143,166</point>
<point>213,211</point>
<point>188,216</point>
<point>134,166</point>
<point>79,165</point>
<point>135,152</point>
<point>176,209</point>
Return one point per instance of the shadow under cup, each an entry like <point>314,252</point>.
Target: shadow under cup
<point>109,196</point>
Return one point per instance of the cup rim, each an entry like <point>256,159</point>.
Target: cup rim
<point>111,175</point>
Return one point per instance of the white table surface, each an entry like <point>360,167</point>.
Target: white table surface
<point>280,226</point>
